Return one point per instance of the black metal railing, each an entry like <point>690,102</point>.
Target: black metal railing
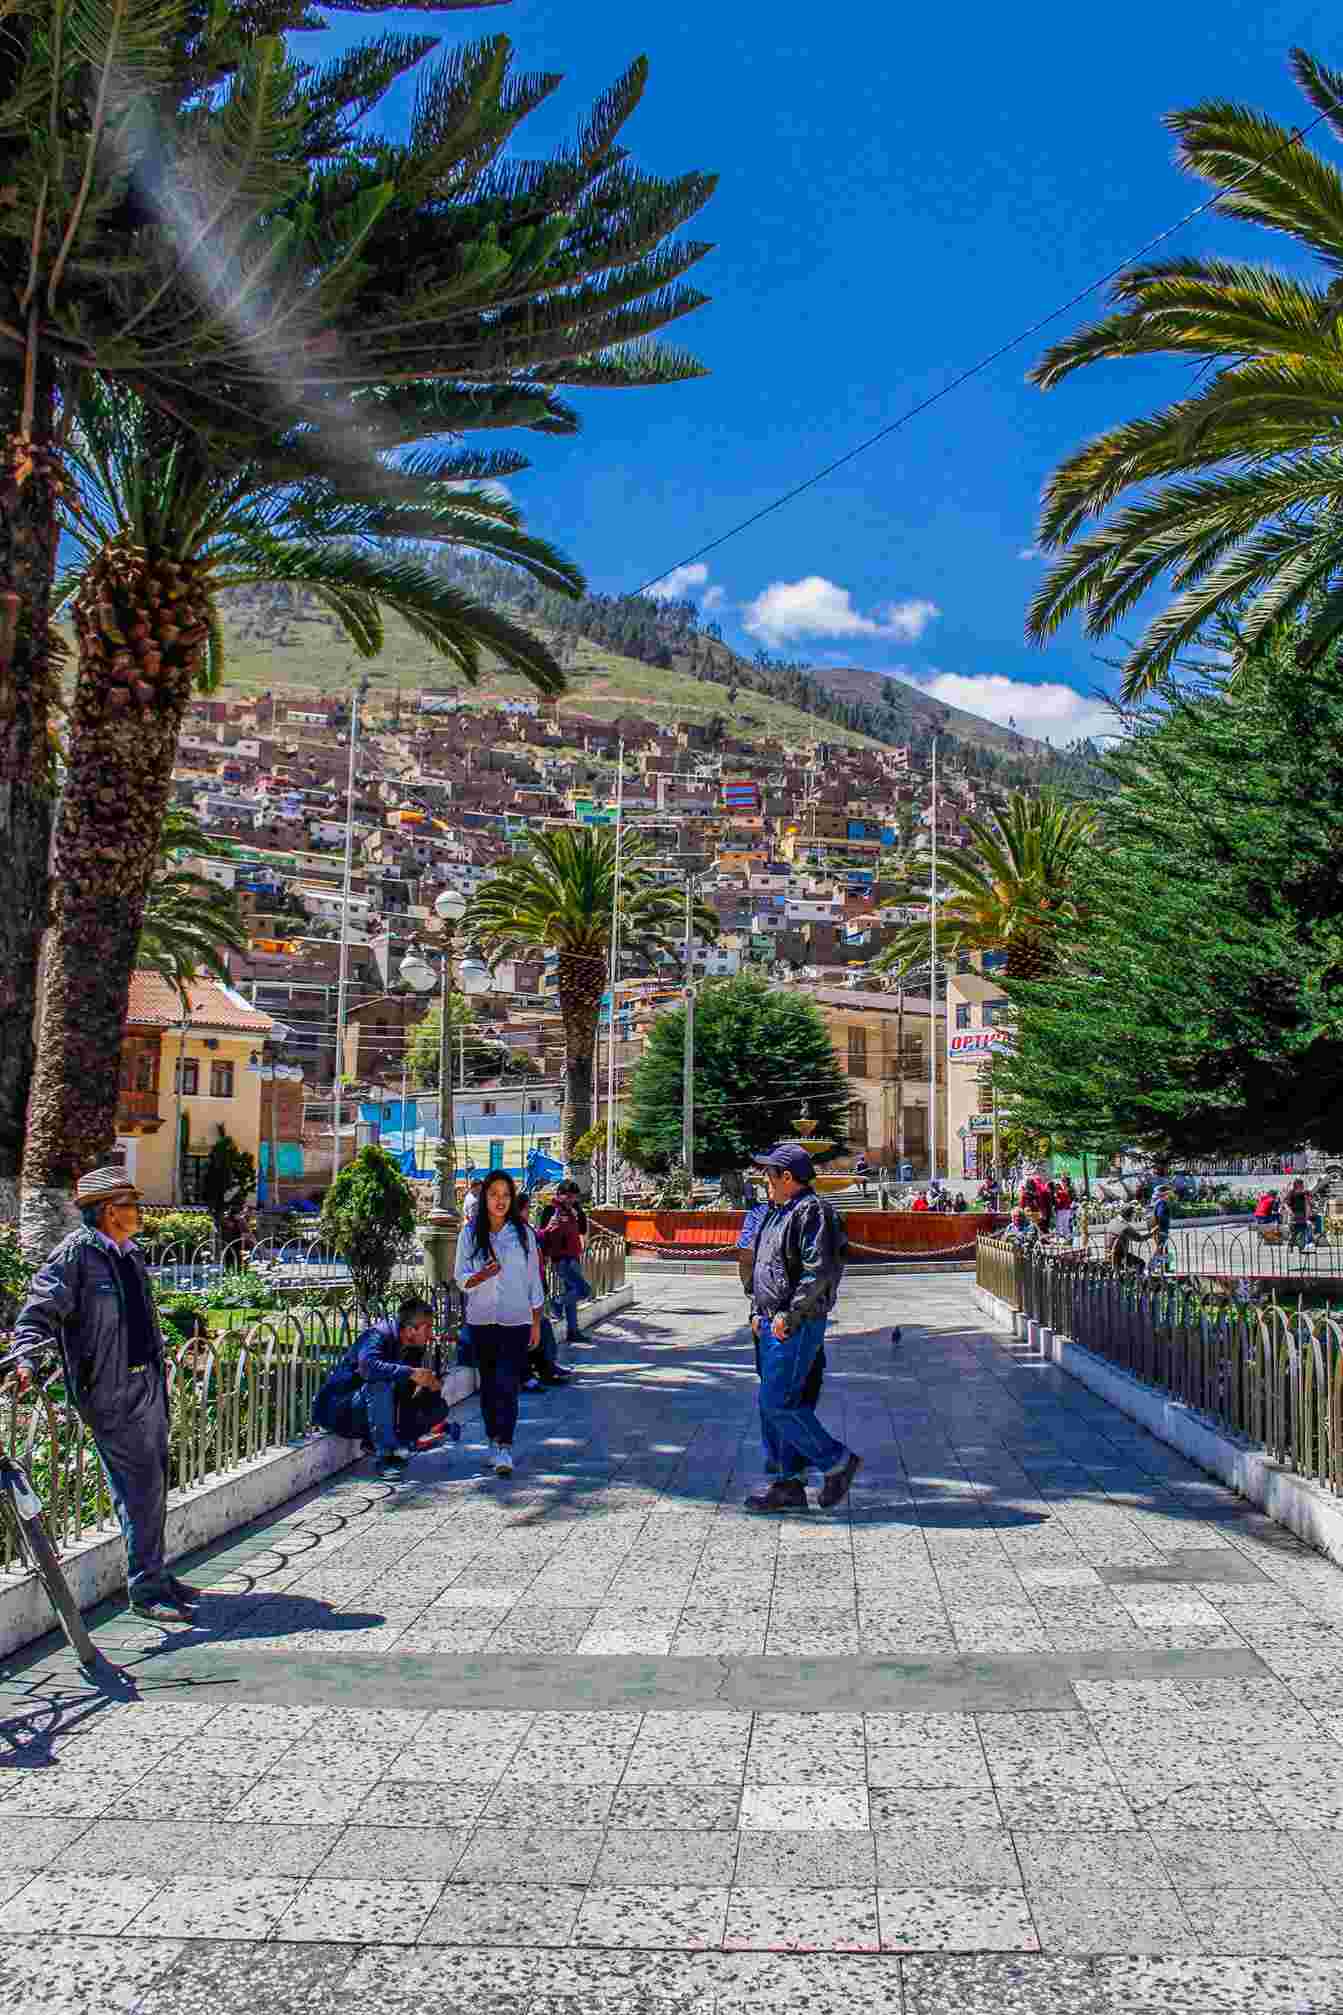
<point>1268,1371</point>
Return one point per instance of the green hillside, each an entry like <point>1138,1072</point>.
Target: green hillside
<point>264,652</point>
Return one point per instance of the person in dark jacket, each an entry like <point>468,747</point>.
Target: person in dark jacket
<point>93,1302</point>
<point>746,1238</point>
<point>381,1394</point>
<point>799,1261</point>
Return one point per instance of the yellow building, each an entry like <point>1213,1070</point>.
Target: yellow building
<point>881,1043</point>
<point>182,1080</point>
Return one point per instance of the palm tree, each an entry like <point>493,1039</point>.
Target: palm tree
<point>1243,472</point>
<point>559,897</point>
<point>191,212</point>
<point>1010,889</point>
<point>162,533</point>
<point>190,922</point>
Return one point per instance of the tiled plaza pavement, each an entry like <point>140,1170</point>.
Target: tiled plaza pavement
<point>1045,1720</point>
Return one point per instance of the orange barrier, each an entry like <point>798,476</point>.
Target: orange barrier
<point>894,1234</point>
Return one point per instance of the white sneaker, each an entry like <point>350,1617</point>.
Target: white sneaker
<point>503,1460</point>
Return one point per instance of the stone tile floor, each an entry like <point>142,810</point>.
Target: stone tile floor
<point>1044,1720</point>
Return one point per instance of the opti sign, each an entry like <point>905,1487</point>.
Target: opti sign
<point>973,1045</point>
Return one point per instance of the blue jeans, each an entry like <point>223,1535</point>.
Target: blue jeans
<point>571,1288</point>
<point>395,1416</point>
<point>793,1437</point>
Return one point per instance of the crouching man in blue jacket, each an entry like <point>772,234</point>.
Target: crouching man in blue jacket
<point>380,1393</point>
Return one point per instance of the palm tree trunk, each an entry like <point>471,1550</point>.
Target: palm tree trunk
<point>580,1003</point>
<point>27,565</point>
<point>140,633</point>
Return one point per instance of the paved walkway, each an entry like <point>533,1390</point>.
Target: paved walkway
<point>1046,1720</point>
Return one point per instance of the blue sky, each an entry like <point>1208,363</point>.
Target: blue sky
<point>901,189</point>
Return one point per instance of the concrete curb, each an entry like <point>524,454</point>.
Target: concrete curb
<point>1312,1513</point>
<point>96,1567</point>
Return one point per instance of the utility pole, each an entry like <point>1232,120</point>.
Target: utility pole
<point>899,1082</point>
<point>688,1076</point>
<point>359,693</point>
<point>933,982</point>
<point>609,1187</point>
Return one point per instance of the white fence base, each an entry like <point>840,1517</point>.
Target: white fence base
<point>96,1567</point>
<point>1314,1514</point>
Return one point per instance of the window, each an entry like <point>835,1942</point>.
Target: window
<point>535,1105</point>
<point>186,1077</point>
<point>857,1124</point>
<point>221,1080</point>
<point>996,1012</point>
<point>146,1070</point>
<point>962,1014</point>
<point>488,1108</point>
<point>857,1052</point>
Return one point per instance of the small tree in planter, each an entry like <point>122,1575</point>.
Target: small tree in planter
<point>228,1181</point>
<point>368,1218</point>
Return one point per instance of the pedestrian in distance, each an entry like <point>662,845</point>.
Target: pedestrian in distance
<point>499,1270</point>
<point>1064,1205</point>
<point>800,1253</point>
<point>1130,1234</point>
<point>92,1301</point>
<point>381,1394</point>
<point>543,1365</point>
<point>563,1229</point>
<point>1301,1235</point>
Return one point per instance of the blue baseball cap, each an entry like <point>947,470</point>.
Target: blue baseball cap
<point>789,1156</point>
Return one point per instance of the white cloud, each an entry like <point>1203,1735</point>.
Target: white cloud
<point>908,620</point>
<point>1053,712</point>
<point>713,598</point>
<point>1029,553</point>
<point>680,582</point>
<point>815,607</point>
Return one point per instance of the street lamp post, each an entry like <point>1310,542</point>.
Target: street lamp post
<point>419,973</point>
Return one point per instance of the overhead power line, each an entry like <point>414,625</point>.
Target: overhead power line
<point>976,369</point>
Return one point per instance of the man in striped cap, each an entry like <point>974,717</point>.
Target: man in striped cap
<point>92,1301</point>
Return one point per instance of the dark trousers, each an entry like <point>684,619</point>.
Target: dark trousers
<point>501,1361</point>
<point>133,1450</point>
<point>395,1415</point>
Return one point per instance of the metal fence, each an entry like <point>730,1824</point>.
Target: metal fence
<point>1270,1372</point>
<point>242,1388</point>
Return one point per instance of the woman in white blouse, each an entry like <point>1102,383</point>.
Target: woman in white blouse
<point>499,1269</point>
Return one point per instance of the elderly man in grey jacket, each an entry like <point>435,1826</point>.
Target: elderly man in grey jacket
<point>92,1301</point>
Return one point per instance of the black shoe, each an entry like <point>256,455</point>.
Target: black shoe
<point>391,1468</point>
<point>784,1494</point>
<point>157,1605</point>
<point>836,1486</point>
<point>182,1591</point>
<point>553,1374</point>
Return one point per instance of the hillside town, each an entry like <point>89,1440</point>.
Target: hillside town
<point>786,844</point>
